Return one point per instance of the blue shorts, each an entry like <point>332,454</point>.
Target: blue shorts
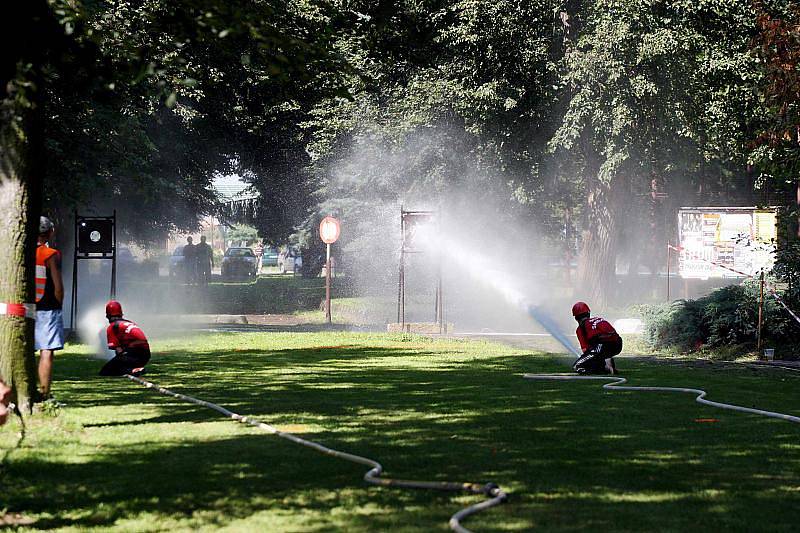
<point>49,333</point>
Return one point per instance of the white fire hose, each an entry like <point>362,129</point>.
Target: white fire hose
<point>616,384</point>
<point>495,496</point>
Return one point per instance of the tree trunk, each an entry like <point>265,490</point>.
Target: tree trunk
<point>21,165</point>
<point>19,215</point>
<point>598,259</point>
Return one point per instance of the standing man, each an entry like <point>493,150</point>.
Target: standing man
<point>49,332</point>
<point>190,260</point>
<point>599,340</point>
<point>259,251</point>
<point>205,260</point>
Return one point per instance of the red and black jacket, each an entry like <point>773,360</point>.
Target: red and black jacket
<point>594,331</point>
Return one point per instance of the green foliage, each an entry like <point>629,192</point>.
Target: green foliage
<point>538,108</point>
<point>142,103</point>
<point>777,46</point>
<point>542,106</point>
<point>726,317</point>
<point>242,232</point>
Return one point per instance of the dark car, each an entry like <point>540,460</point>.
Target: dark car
<point>177,262</point>
<point>239,263</point>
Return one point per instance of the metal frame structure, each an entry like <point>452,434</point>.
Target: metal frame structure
<point>77,255</point>
<point>408,219</point>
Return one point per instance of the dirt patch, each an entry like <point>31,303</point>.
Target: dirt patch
<point>274,320</point>
<point>15,519</point>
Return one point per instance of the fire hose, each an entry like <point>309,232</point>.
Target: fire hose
<point>617,384</point>
<point>493,493</point>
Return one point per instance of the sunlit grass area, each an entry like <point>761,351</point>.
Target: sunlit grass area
<point>573,456</point>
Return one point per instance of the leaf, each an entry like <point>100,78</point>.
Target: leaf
<point>171,99</point>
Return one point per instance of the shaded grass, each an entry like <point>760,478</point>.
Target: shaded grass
<point>575,457</point>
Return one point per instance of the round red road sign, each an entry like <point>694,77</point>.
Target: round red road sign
<point>329,230</point>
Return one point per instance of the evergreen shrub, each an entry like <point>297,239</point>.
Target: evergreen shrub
<point>725,318</point>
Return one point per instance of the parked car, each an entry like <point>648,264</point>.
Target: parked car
<point>177,263</point>
<point>270,256</point>
<point>290,260</point>
<point>124,255</point>
<point>239,262</point>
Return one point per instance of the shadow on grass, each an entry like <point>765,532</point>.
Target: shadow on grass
<point>234,477</point>
<point>574,456</point>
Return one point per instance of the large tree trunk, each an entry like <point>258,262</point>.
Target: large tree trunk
<point>21,163</point>
<point>598,259</point>
<point>19,206</point>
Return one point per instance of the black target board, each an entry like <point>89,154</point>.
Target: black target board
<point>96,236</point>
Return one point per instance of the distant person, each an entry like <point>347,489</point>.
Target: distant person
<point>190,260</point>
<point>128,341</point>
<point>49,330</point>
<point>599,341</point>
<point>298,265</point>
<point>205,260</point>
<point>5,399</point>
<point>259,251</point>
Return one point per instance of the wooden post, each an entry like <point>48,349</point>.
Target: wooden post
<point>114,259</point>
<point>760,315</point>
<point>669,257</point>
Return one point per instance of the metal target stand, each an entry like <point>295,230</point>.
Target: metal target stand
<point>95,238</point>
<point>409,221</point>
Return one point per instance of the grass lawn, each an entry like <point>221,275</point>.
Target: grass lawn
<point>574,457</point>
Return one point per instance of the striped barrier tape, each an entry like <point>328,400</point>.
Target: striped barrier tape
<point>780,301</point>
<point>21,310</point>
<point>715,263</point>
<point>770,288</point>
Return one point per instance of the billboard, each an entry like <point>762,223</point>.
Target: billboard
<point>716,241</point>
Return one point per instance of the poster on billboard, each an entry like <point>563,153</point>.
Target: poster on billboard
<point>726,242</point>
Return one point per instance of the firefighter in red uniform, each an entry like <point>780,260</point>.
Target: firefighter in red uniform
<point>599,340</point>
<point>129,342</point>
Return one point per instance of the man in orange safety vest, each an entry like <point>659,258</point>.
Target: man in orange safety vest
<point>49,333</point>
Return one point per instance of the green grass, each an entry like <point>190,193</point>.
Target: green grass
<point>574,457</point>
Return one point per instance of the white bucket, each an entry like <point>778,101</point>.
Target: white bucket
<point>769,354</point>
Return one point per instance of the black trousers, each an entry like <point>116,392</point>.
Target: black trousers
<point>593,360</point>
<point>124,362</point>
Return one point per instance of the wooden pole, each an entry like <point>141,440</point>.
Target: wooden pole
<point>74,299</point>
<point>760,315</point>
<point>669,257</point>
<point>114,259</point>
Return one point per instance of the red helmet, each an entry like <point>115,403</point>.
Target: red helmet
<point>580,308</point>
<point>113,308</point>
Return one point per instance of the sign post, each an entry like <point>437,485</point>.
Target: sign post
<point>669,259</point>
<point>95,238</point>
<point>760,315</point>
<point>410,223</point>
<point>329,232</point>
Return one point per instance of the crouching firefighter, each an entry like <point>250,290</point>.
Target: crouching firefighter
<point>128,341</point>
<point>599,340</point>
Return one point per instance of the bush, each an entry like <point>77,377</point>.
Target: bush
<point>728,317</point>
